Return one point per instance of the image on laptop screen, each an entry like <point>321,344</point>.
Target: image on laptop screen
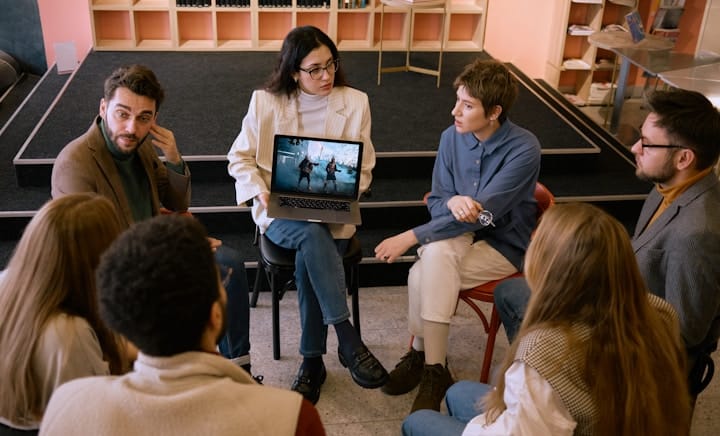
<point>316,166</point>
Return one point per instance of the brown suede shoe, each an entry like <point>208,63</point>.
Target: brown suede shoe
<point>407,373</point>
<point>436,380</point>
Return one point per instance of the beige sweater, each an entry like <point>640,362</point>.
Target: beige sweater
<point>193,393</point>
<point>67,349</point>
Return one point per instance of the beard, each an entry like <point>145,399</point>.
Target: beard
<point>116,139</point>
<point>660,176</point>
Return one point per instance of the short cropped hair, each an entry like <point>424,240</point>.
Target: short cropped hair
<point>490,82</point>
<point>157,283</point>
<point>691,121</point>
<point>137,78</point>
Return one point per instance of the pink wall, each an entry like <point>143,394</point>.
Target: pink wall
<point>522,39</point>
<point>65,21</point>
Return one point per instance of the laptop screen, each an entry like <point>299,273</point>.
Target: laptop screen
<point>316,167</point>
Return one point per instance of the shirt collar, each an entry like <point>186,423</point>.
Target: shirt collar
<point>495,140</point>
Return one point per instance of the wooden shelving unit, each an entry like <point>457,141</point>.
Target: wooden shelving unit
<point>576,63</point>
<point>162,25</point>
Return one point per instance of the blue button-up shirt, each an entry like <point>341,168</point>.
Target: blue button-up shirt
<point>500,173</point>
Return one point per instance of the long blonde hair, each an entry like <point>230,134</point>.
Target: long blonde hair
<point>52,271</point>
<point>581,269</point>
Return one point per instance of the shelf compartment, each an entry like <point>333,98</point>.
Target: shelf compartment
<point>427,30</point>
<point>468,6</point>
<point>353,30</point>
<point>273,26</point>
<point>195,29</point>
<point>155,4</point>
<point>316,18</point>
<point>152,29</point>
<point>113,29</point>
<point>111,3</point>
<point>233,30</point>
<point>465,32</point>
<point>394,30</point>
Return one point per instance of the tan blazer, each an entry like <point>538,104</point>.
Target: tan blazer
<point>86,165</point>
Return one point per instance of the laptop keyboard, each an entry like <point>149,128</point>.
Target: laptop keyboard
<point>313,203</point>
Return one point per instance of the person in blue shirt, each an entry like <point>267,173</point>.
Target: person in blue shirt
<point>482,211</point>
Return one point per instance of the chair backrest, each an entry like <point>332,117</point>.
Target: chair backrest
<point>544,198</point>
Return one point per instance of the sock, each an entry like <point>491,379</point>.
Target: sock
<point>436,342</point>
<point>418,343</point>
<point>347,337</point>
<point>312,364</point>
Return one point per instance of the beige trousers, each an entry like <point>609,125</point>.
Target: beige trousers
<point>442,270</point>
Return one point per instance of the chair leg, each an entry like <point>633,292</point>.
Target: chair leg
<point>352,275</point>
<point>490,345</point>
<point>275,318</point>
<point>258,285</point>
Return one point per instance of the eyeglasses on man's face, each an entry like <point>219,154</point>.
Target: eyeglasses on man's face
<point>316,73</point>
<point>643,145</point>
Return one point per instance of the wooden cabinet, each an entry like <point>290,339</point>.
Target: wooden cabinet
<point>352,24</point>
<point>576,64</point>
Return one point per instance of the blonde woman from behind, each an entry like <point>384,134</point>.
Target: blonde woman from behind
<point>50,329</point>
<point>596,353</point>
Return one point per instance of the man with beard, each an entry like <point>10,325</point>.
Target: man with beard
<point>116,158</point>
<point>677,236</point>
<point>159,286</point>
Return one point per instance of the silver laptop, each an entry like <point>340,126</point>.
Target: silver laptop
<point>315,179</point>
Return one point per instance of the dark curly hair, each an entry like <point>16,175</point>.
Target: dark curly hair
<point>157,283</point>
<point>137,78</point>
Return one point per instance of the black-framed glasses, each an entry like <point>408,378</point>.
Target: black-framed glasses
<point>643,145</point>
<point>316,73</point>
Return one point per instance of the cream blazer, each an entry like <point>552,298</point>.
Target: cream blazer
<point>250,157</point>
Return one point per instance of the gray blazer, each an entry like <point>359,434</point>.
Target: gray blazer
<point>679,257</point>
<point>86,165</point>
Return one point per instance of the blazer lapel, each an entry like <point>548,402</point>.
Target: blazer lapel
<point>652,202</point>
<point>336,117</point>
<point>107,167</point>
<point>286,120</point>
<point>149,163</point>
<point>642,237</point>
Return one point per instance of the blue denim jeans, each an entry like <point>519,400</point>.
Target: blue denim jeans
<point>319,276</point>
<point>462,402</point>
<point>235,344</point>
<point>511,300</point>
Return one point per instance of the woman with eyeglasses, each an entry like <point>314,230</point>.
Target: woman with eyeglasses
<point>307,95</point>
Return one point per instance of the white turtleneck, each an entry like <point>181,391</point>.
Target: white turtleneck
<point>312,110</point>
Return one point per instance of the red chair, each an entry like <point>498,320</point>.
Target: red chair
<point>485,292</point>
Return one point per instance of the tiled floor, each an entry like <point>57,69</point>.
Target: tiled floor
<point>349,410</point>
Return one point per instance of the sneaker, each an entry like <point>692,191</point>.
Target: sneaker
<point>407,373</point>
<point>436,380</point>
